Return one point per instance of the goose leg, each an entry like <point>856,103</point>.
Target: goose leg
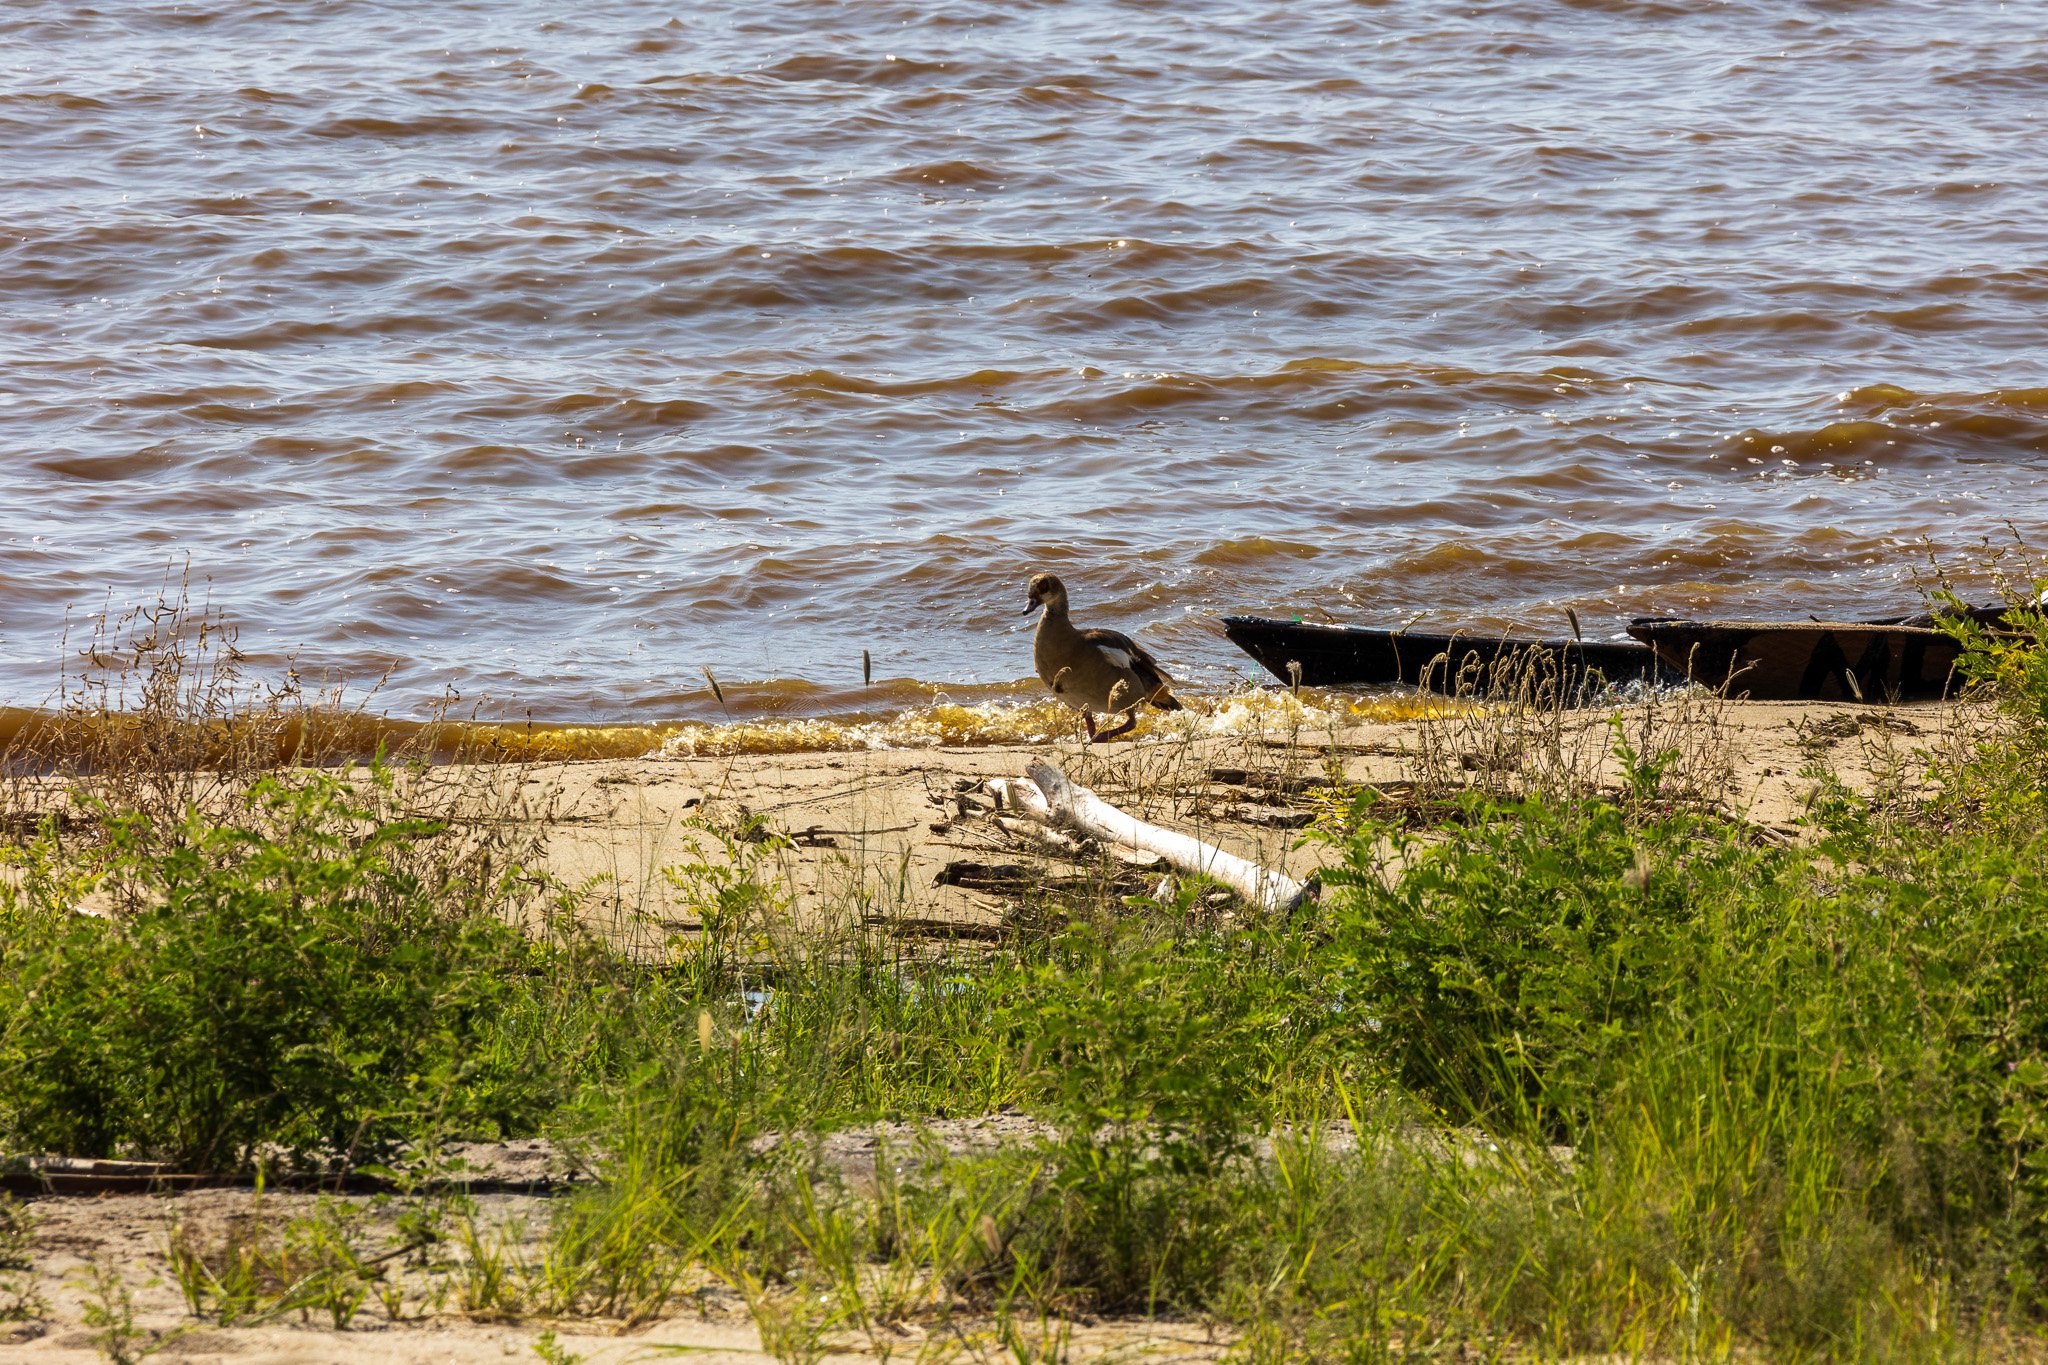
<point>1089,721</point>
<point>1130,723</point>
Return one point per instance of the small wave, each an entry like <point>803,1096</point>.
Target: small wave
<point>1340,389</point>
<point>627,412</point>
<point>949,174</point>
<point>2022,77</point>
<point>398,391</point>
<point>1609,306</point>
<point>1776,327</point>
<point>186,399</point>
<point>281,334</point>
<point>974,382</point>
<point>1875,398</point>
<point>301,447</point>
<point>1253,550</point>
<point>508,465</point>
<point>1834,441</point>
<point>56,99</point>
<point>1894,423</point>
<point>1064,94</point>
<point>886,70</point>
<point>1639,9</point>
<point>388,129</point>
<point>140,464</point>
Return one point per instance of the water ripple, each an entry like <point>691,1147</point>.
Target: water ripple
<point>548,355</point>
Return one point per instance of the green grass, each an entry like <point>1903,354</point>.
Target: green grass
<point>1585,1075</point>
<point>289,974</point>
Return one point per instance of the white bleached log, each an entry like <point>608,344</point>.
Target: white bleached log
<point>1037,832</point>
<point>1048,796</point>
<point>1021,795</point>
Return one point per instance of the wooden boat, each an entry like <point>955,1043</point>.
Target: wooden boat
<point>1905,658</point>
<point>1808,660</point>
<point>1315,655</point>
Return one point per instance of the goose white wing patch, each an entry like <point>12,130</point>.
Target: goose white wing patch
<point>1121,658</point>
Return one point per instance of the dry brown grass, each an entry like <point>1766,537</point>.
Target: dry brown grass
<point>1520,728</point>
<point>164,716</point>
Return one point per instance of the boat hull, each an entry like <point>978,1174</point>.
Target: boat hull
<point>1807,661</point>
<point>1315,655</point>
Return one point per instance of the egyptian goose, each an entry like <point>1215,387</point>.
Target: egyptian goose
<point>1093,670</point>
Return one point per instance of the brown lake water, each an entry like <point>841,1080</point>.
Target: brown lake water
<point>549,353</point>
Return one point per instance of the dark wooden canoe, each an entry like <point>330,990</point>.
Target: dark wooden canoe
<point>1345,656</point>
<point>1902,659</point>
<point>1807,660</point>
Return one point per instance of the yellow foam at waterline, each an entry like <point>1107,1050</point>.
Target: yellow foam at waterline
<point>38,739</point>
<point>946,723</point>
<point>50,740</point>
<point>922,727</point>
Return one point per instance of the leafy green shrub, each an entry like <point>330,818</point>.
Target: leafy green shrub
<point>2001,779</point>
<point>2009,660</point>
<point>296,972</point>
<point>1802,1069</point>
<point>1519,956</point>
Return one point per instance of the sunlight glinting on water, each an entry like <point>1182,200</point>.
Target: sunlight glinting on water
<point>544,356</point>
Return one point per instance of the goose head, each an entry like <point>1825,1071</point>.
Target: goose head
<point>1046,591</point>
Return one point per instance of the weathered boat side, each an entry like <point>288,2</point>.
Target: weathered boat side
<point>1807,660</point>
<point>1341,656</point>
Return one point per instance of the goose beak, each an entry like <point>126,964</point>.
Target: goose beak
<point>1030,607</point>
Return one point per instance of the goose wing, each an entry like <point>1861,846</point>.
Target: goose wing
<point>1121,650</point>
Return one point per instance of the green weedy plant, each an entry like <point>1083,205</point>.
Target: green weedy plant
<point>1047,1341</point>
<point>1148,1023</point>
<point>19,1301</point>
<point>795,1327</point>
<point>1806,1090</point>
<point>943,1236</point>
<point>552,1352</point>
<point>737,897</point>
<point>295,972</point>
<point>1156,1055</point>
<point>681,1185</point>
<point>331,1243</point>
<point>2002,779</point>
<point>251,1271</point>
<point>487,1278</point>
<point>109,1314</point>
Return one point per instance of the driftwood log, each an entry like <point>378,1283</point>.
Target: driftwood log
<point>1046,796</point>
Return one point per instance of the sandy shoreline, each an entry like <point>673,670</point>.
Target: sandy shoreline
<point>869,834</point>
<point>879,826</point>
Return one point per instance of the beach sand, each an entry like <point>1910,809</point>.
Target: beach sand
<point>874,829</point>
